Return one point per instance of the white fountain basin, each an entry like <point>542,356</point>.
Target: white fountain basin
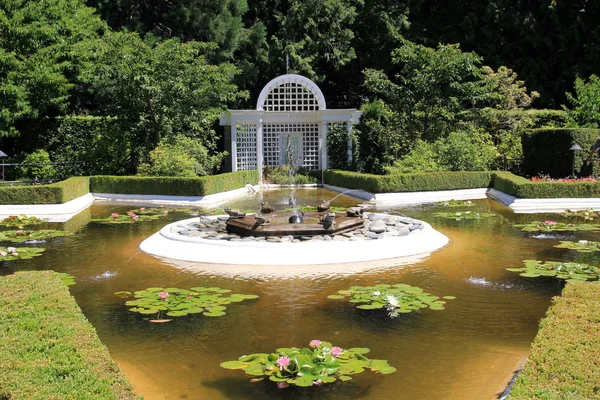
<point>175,246</point>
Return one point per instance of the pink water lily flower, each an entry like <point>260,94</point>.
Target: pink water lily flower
<point>282,385</point>
<point>283,362</point>
<point>114,215</point>
<point>315,343</point>
<point>550,222</point>
<point>336,351</point>
<point>164,295</point>
<point>135,217</point>
<point>131,214</point>
<point>19,231</point>
<point>3,253</point>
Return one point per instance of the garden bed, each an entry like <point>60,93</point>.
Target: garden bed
<point>48,349</point>
<point>563,363</point>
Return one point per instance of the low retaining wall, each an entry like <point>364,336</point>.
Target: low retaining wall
<point>53,212</point>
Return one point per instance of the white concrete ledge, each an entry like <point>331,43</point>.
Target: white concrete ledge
<point>533,206</point>
<point>52,212</point>
<point>408,198</point>
<point>195,249</point>
<point>210,200</point>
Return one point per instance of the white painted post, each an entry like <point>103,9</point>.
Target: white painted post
<point>323,146</point>
<point>349,127</point>
<point>259,149</point>
<point>233,146</point>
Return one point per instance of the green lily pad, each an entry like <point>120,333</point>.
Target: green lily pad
<point>176,302</point>
<point>21,221</point>
<point>20,253</point>
<point>20,235</point>
<point>397,299</point>
<point>455,203</point>
<point>322,363</point>
<point>569,271</point>
<point>553,226</point>
<point>464,215</point>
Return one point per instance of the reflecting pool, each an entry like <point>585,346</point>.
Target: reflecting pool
<point>467,351</point>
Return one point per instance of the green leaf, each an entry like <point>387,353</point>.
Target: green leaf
<point>234,365</point>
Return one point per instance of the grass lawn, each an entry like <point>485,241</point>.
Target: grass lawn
<point>564,362</point>
<point>48,349</point>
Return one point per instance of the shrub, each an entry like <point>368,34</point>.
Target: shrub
<point>180,156</point>
<point>281,175</point>
<point>48,350</point>
<point>586,103</point>
<point>562,357</point>
<point>408,182</point>
<point>173,186</point>
<point>422,158</point>
<point>525,189</point>
<point>546,151</point>
<point>337,148</point>
<point>54,193</point>
<point>37,171</point>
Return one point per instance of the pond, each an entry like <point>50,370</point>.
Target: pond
<point>467,351</point>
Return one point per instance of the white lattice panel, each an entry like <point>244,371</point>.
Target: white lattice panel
<point>246,147</point>
<point>310,144</point>
<point>291,97</point>
<point>273,143</point>
<point>340,124</point>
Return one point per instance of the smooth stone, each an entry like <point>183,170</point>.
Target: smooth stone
<point>348,234</point>
<point>384,235</point>
<point>373,235</point>
<point>377,228</point>
<point>222,218</point>
<point>400,225</point>
<point>403,231</point>
<point>317,238</point>
<point>274,239</point>
<point>236,240</point>
<point>260,239</point>
<point>413,227</point>
<point>340,239</point>
<point>296,241</point>
<point>357,238</point>
<point>375,217</point>
<point>392,233</point>
<point>288,237</point>
<point>197,234</point>
<point>327,237</point>
<point>248,238</point>
<point>305,238</point>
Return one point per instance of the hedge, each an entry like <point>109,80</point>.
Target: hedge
<point>48,350</point>
<point>54,193</point>
<point>174,186</point>
<point>417,182</point>
<point>563,362</point>
<point>525,189</point>
<point>546,151</point>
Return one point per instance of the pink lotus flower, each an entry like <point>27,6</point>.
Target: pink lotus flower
<point>19,231</point>
<point>315,343</point>
<point>131,214</point>
<point>283,362</point>
<point>114,215</point>
<point>550,222</point>
<point>135,217</point>
<point>164,295</point>
<point>336,351</point>
<point>282,385</point>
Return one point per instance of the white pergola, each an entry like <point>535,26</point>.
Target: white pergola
<point>291,120</point>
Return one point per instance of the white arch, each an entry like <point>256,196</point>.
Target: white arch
<point>291,78</point>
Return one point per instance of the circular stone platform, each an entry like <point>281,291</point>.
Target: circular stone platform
<point>184,241</point>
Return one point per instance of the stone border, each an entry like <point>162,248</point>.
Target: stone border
<point>209,200</point>
<point>53,212</point>
<point>533,206</point>
<point>195,249</point>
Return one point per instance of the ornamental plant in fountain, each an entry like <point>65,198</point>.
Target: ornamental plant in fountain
<point>570,271</point>
<point>468,215</point>
<point>175,302</point>
<point>553,226</point>
<point>20,253</point>
<point>583,246</point>
<point>21,221</point>
<point>21,235</point>
<point>319,364</point>
<point>396,299</point>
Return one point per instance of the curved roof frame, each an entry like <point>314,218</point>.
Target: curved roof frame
<point>291,78</point>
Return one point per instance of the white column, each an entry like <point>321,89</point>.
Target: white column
<point>349,127</point>
<point>323,145</point>
<point>259,149</point>
<point>233,146</point>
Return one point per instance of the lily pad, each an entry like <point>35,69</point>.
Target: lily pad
<point>20,253</point>
<point>583,246</point>
<point>587,215</point>
<point>569,271</point>
<point>129,217</point>
<point>20,235</point>
<point>321,363</point>
<point>553,226</point>
<point>396,299</point>
<point>20,221</point>
<point>464,215</point>
<point>176,302</point>
<point>455,203</point>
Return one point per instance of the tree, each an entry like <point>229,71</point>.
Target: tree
<point>159,91</point>
<point>585,102</point>
<point>39,58</point>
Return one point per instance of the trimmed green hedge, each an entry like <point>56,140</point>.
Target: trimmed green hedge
<point>48,350</point>
<point>173,186</point>
<point>418,182</point>
<point>563,362</point>
<point>525,189</point>
<point>54,193</point>
<point>546,151</point>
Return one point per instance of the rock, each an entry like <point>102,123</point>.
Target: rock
<point>348,234</point>
<point>413,227</point>
<point>222,217</point>
<point>317,238</point>
<point>287,238</point>
<point>248,239</point>
<point>296,241</point>
<point>373,235</point>
<point>377,228</point>
<point>357,238</point>
<point>273,239</point>
<point>390,220</point>
<point>327,237</point>
<point>305,238</point>
<point>403,231</point>
<point>340,239</point>
<point>260,239</point>
<point>375,217</point>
